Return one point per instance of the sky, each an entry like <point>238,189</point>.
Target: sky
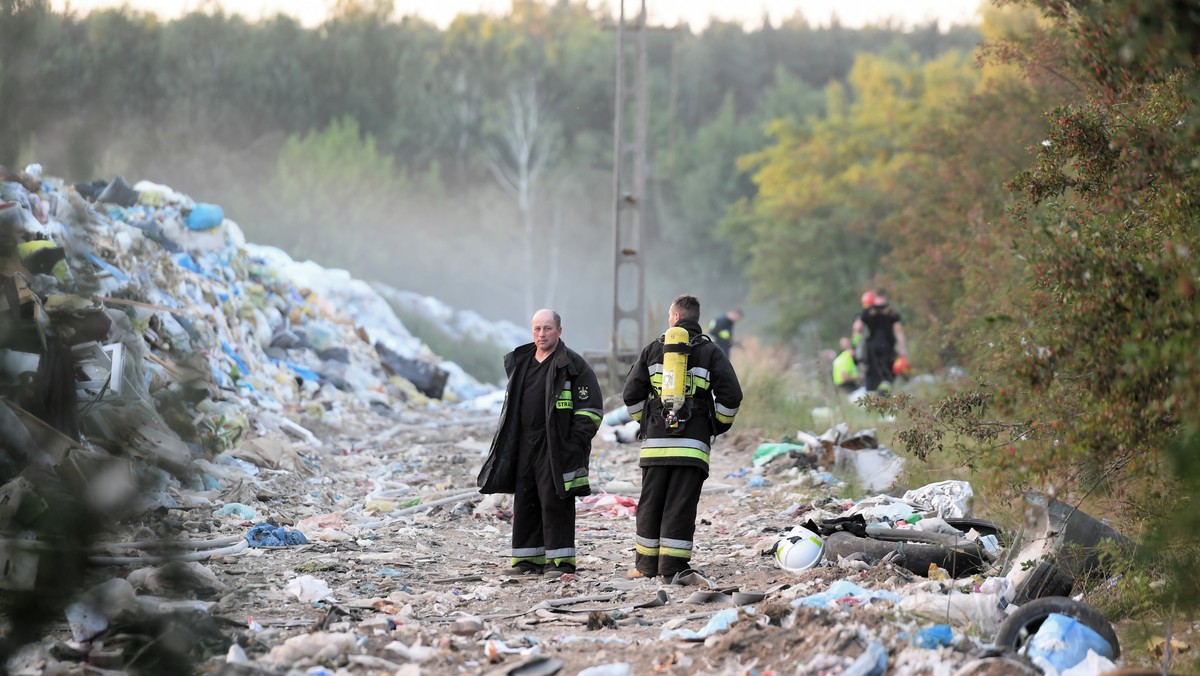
<point>696,13</point>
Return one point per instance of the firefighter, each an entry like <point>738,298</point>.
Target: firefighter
<point>721,329</point>
<point>885,342</point>
<point>552,409</point>
<point>677,434</point>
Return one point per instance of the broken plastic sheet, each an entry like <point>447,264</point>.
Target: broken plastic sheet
<point>608,504</point>
<point>765,453</point>
<point>1062,642</point>
<point>308,589</point>
<point>949,499</point>
<point>980,609</point>
<point>717,624</point>
<point>844,593</point>
<point>883,508</point>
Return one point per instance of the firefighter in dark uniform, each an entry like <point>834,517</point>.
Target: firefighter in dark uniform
<point>721,329</point>
<point>675,447</point>
<point>552,409</point>
<point>885,341</point>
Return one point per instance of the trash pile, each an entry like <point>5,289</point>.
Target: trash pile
<point>314,511</point>
<point>458,324</point>
<point>146,348</point>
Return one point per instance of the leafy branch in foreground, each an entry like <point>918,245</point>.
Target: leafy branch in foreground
<point>961,415</point>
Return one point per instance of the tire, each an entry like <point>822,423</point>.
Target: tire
<point>1081,539</point>
<point>959,560</point>
<point>1046,579</point>
<point>911,535</point>
<point>1023,623</point>
<point>981,526</point>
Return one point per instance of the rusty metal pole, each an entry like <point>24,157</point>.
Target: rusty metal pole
<point>629,187</point>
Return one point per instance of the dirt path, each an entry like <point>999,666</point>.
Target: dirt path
<point>418,590</point>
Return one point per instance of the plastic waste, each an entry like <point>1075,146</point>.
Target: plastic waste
<point>1063,642</point>
<point>99,606</point>
<point>618,416</point>
<point>873,662</point>
<point>991,545</point>
<point>269,535</point>
<point>309,589</point>
<point>938,574</point>
<point>1092,665</point>
<point>937,636</point>
<point>244,512</point>
<point>204,216</point>
<point>719,622</point>
<point>379,507</point>
<point>947,498</point>
<point>767,452</point>
<point>118,192</point>
<point>236,655</point>
<point>844,592</point>
<point>957,608</point>
<point>319,646</point>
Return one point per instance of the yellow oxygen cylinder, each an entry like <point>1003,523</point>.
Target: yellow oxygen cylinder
<point>674,377</point>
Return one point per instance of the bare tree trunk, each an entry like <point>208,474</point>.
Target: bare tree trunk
<point>555,246</point>
<point>516,159</point>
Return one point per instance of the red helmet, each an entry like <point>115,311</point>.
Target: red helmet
<point>901,367</point>
<point>868,298</point>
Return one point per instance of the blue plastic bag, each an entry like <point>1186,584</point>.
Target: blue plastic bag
<point>935,637</point>
<point>1064,641</point>
<point>204,217</point>
<point>267,535</point>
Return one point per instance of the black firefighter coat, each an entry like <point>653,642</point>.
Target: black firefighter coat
<point>573,414</point>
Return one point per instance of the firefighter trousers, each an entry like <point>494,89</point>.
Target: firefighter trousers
<point>666,518</point>
<point>879,366</point>
<point>543,523</point>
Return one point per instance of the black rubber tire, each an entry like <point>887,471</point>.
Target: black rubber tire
<point>912,535</point>
<point>1046,579</point>
<point>1024,622</point>
<point>981,526</point>
<point>958,560</point>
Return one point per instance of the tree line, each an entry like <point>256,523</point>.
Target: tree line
<point>371,133</point>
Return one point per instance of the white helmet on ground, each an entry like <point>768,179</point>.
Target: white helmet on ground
<point>799,550</point>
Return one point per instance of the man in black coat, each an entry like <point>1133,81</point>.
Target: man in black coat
<point>552,409</point>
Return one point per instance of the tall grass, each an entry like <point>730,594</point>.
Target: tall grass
<point>779,392</point>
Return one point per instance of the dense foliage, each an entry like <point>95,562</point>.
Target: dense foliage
<point>242,113</point>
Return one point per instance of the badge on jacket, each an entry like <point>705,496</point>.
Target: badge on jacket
<point>582,392</point>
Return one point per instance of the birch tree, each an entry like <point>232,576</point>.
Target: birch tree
<point>518,154</point>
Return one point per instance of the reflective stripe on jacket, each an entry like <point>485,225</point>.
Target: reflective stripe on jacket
<point>572,418</point>
<point>713,391</point>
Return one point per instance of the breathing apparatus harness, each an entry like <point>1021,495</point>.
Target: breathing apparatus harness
<point>675,394</point>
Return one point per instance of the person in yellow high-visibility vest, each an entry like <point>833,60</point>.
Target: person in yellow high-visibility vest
<point>845,370</point>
